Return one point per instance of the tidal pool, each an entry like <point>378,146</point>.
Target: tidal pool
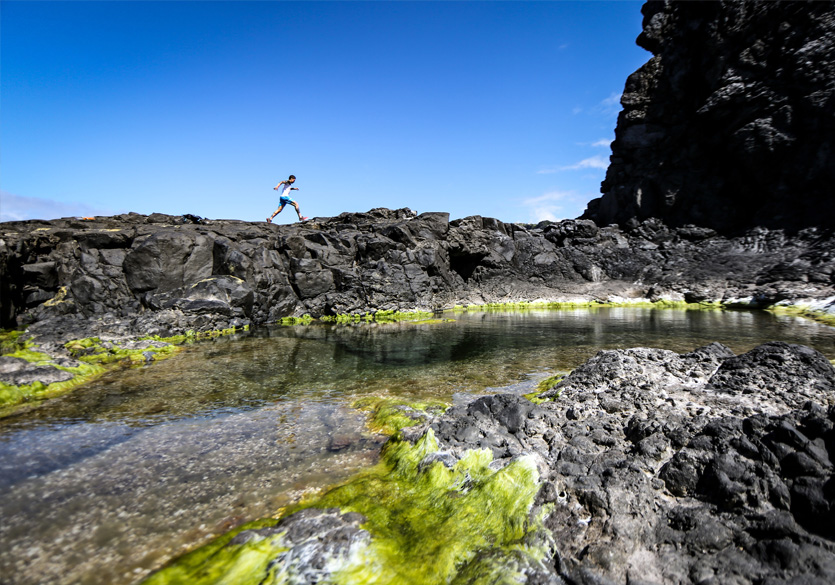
<point>108,483</point>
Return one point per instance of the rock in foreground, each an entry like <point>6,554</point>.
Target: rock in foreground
<point>696,468</point>
<point>645,466</point>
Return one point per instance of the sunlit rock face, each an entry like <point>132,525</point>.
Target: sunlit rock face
<point>121,276</point>
<point>731,122</point>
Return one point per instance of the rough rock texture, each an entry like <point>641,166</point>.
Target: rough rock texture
<point>315,541</point>
<point>668,468</point>
<point>17,371</point>
<point>731,123</point>
<point>137,275</point>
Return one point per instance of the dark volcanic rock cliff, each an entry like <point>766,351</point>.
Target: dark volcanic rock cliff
<point>731,123</point>
<point>137,275</point>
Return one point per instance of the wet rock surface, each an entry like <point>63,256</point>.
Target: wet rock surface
<point>17,371</point>
<point>315,541</point>
<point>132,275</point>
<point>663,468</point>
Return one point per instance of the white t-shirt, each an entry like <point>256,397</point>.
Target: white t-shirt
<point>285,190</point>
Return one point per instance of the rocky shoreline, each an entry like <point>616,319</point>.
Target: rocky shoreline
<point>113,282</point>
<point>641,466</point>
<point>162,275</point>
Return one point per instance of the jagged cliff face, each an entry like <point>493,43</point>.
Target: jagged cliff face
<point>158,274</point>
<point>731,123</point>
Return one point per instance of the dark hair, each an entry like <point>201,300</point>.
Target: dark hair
<point>291,177</point>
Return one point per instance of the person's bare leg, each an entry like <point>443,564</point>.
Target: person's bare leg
<point>277,211</point>
<point>299,213</point>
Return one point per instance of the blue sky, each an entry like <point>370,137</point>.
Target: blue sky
<point>501,109</point>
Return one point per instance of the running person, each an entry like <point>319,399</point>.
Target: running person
<point>286,187</point>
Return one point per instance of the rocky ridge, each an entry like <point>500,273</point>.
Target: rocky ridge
<point>163,275</point>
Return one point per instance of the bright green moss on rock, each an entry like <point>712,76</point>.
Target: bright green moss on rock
<point>389,415</point>
<point>544,386</point>
<point>94,357</point>
<point>429,525</point>
<point>805,312</point>
<point>93,351</point>
<point>382,317</point>
<point>303,320</point>
<point>568,305</point>
<point>217,563</point>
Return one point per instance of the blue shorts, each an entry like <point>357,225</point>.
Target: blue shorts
<point>284,200</point>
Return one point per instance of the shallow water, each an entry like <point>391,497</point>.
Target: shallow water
<point>109,482</point>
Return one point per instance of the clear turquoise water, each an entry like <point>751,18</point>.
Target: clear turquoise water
<point>107,483</point>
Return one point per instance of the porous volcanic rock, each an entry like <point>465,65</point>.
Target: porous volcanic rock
<point>668,468</point>
<point>654,467</point>
<point>731,124</point>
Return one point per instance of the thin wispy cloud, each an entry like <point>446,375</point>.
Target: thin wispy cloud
<point>612,100</point>
<point>547,207</point>
<point>593,162</point>
<point>602,143</point>
<point>18,208</point>
<point>610,106</point>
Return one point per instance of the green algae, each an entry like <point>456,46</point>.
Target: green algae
<point>544,386</point>
<point>593,304</point>
<point>389,316</point>
<point>215,562</point>
<point>92,350</point>
<point>10,341</point>
<point>427,524</point>
<point>389,415</point>
<point>94,357</point>
<point>303,320</point>
<point>803,311</point>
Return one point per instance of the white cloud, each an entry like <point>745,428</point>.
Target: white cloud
<point>18,208</point>
<point>612,100</point>
<point>610,106</point>
<point>594,162</point>
<point>547,207</point>
<point>602,143</point>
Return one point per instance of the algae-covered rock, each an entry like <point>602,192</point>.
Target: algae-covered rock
<point>18,371</point>
<point>411,519</point>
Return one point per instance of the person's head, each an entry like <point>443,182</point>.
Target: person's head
<point>291,179</point>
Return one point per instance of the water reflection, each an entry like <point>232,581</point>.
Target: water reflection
<point>105,484</point>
